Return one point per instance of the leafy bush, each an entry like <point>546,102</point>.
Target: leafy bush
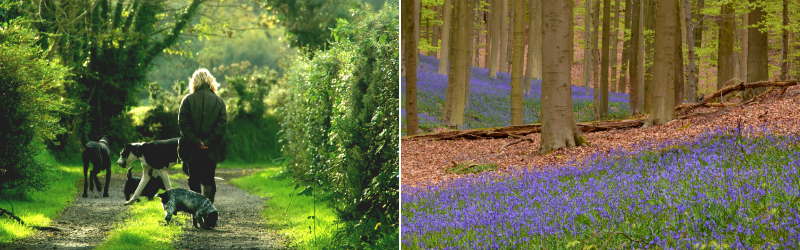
<point>29,108</point>
<point>341,128</point>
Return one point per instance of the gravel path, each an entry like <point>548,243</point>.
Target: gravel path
<point>86,222</point>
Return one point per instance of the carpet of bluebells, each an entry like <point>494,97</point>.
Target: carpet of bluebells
<point>490,99</point>
<point>724,190</point>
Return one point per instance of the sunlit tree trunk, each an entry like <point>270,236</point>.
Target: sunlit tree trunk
<point>454,98</point>
<point>516,66</point>
<point>412,122</point>
<point>495,43</point>
<point>634,56</point>
<point>444,56</point>
<point>662,108</point>
<point>649,23</point>
<point>558,121</point>
<point>532,35</point>
<point>727,36</point>
<point>470,38</point>
<point>758,52</point>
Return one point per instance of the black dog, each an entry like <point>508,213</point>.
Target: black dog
<point>156,157</point>
<point>99,155</point>
<point>149,190</point>
<point>181,199</point>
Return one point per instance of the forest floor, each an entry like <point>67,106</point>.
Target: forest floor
<point>425,163</point>
<point>87,221</point>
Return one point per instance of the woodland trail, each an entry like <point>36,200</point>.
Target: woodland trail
<point>87,221</point>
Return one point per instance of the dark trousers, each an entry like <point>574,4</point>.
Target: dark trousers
<point>201,173</point>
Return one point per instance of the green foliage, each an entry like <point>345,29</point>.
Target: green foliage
<point>39,208</point>
<point>308,23</point>
<point>471,168</point>
<point>308,223</point>
<point>30,108</point>
<point>341,127</point>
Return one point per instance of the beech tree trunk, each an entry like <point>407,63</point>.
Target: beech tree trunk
<point>662,108</point>
<point>679,83</point>
<point>649,23</point>
<point>412,120</point>
<point>634,55</point>
<point>587,55</point>
<point>757,54</point>
<point>527,80</point>
<point>622,81</point>
<point>470,48</point>
<point>559,128</point>
<point>504,37</point>
<point>785,50</point>
<point>444,56</point>
<point>434,31</point>
<point>691,83</point>
<point>510,48</point>
<point>454,102</point>
<point>596,59</point>
<point>517,112</point>
<point>537,40</point>
<point>727,36</point>
<point>614,41</point>
<point>495,43</point>
<point>640,60</point>
<point>604,66</point>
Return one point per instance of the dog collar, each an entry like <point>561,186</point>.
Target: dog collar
<point>104,141</point>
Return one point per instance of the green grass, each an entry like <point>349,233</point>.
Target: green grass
<point>469,167</point>
<point>145,228</point>
<point>39,208</point>
<point>289,213</point>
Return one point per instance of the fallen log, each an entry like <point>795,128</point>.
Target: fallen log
<point>684,108</point>
<point>523,130</point>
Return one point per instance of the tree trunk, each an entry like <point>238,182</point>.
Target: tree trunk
<point>494,46</point>
<point>412,120</point>
<point>691,84</point>
<point>744,42</point>
<point>640,60</point>
<point>469,51</point>
<point>417,22</point>
<point>757,54</point>
<point>785,50</point>
<point>537,40</point>
<point>510,48</point>
<point>603,109</point>
<point>725,63</point>
<point>596,59</point>
<point>622,81</point>
<point>476,16</point>
<point>698,32</point>
<point>662,108</point>
<point>527,82</point>
<point>434,31</point>
<point>649,22</point>
<point>587,55</point>
<point>614,41</point>
<point>444,56</point>
<point>518,54</point>
<point>455,88</point>
<point>634,55</point>
<point>504,37</point>
<point>558,122</point>
<point>679,83</point>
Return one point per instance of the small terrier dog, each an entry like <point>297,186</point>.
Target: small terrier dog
<point>149,190</point>
<point>181,199</point>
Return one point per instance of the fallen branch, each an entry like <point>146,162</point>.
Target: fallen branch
<point>523,130</point>
<point>10,214</point>
<point>520,139</point>
<point>683,108</point>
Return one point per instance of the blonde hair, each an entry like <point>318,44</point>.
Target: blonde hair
<point>203,77</point>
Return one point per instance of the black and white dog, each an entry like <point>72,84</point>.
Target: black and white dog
<point>149,190</point>
<point>99,155</point>
<point>181,199</point>
<point>156,156</point>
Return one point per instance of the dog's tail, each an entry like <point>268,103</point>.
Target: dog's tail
<point>129,172</point>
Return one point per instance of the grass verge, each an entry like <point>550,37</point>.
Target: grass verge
<point>38,208</point>
<point>144,228</point>
<point>309,224</point>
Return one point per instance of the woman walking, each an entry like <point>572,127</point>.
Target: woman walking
<point>202,120</point>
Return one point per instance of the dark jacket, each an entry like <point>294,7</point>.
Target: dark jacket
<point>202,118</point>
